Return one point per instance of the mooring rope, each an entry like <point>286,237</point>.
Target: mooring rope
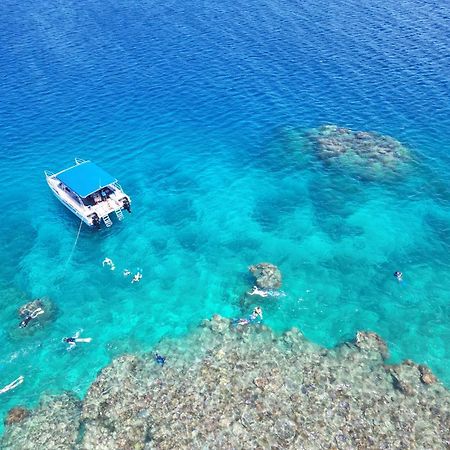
<point>75,243</point>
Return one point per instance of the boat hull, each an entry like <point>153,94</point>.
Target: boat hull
<point>71,208</point>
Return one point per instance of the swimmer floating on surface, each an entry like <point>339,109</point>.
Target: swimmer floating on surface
<point>263,293</point>
<point>12,385</point>
<point>73,341</point>
<point>260,292</point>
<point>398,275</point>
<point>137,277</point>
<point>257,312</point>
<point>29,317</point>
<point>108,262</point>
<point>126,272</point>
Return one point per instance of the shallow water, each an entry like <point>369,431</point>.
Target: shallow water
<point>188,106</point>
<point>244,386</point>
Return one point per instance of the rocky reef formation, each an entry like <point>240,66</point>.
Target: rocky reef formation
<point>244,387</point>
<point>39,303</point>
<point>55,424</point>
<point>267,275</point>
<point>16,415</point>
<point>367,153</point>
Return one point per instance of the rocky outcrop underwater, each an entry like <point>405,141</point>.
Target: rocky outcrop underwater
<point>365,154</point>
<point>243,387</point>
<point>267,275</point>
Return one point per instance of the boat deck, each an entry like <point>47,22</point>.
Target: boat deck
<point>89,192</point>
<point>102,207</point>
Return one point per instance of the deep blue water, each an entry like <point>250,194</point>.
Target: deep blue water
<point>186,104</point>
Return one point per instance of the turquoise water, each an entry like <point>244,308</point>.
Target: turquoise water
<point>189,106</point>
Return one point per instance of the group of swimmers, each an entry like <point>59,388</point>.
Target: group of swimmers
<point>28,316</point>
<point>126,273</point>
<point>72,341</point>
<point>255,317</point>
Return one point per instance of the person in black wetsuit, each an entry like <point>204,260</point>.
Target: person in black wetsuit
<point>73,340</point>
<point>29,317</point>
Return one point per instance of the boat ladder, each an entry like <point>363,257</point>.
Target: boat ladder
<point>119,214</point>
<point>107,220</point>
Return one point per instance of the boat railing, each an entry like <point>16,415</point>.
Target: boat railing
<point>49,173</point>
<point>80,160</point>
<point>118,186</point>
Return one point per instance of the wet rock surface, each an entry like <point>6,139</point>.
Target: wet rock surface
<point>267,275</point>
<point>225,387</point>
<point>371,154</point>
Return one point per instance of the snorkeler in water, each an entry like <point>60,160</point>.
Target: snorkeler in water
<point>73,341</point>
<point>137,277</point>
<point>398,275</point>
<point>29,317</point>
<point>12,385</point>
<point>266,293</point>
<point>108,262</point>
<point>160,359</point>
<point>260,292</point>
<point>257,312</point>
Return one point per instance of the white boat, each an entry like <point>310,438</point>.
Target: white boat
<point>89,192</point>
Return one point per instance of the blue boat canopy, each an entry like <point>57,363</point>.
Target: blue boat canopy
<point>86,178</point>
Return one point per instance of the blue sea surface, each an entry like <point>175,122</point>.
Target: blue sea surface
<point>188,104</point>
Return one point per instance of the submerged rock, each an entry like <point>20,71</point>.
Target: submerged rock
<point>16,415</point>
<point>426,376</point>
<point>225,389</point>
<point>372,154</point>
<point>409,377</point>
<point>367,340</point>
<point>267,275</point>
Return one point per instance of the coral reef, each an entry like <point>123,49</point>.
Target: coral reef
<point>371,154</point>
<point>16,415</point>
<point>267,275</point>
<point>367,340</point>
<point>55,424</point>
<point>245,387</point>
